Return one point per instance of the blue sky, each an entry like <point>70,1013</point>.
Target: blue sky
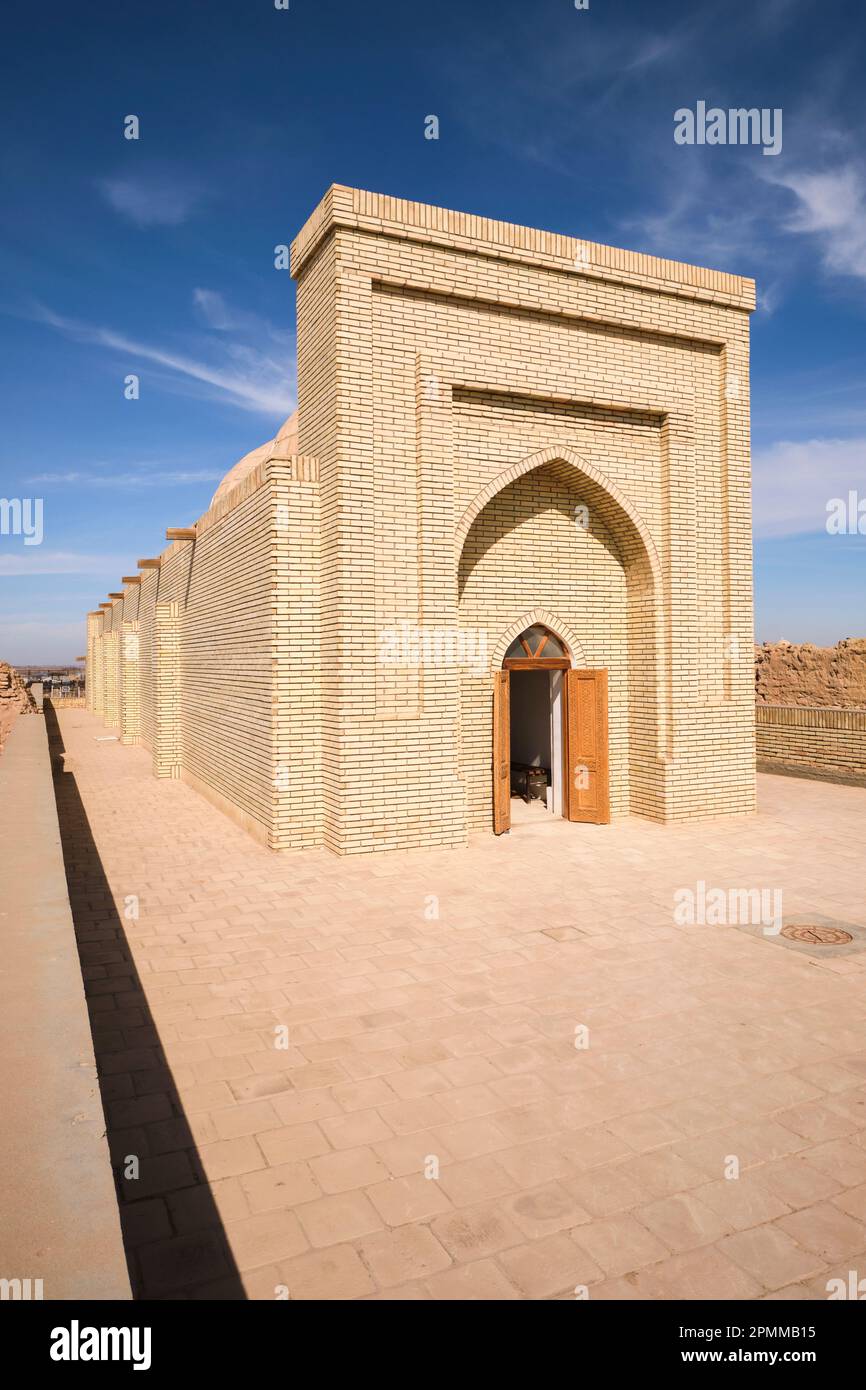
<point>155,256</point>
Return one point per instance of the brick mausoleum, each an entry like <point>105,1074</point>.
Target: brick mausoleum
<point>502,550</point>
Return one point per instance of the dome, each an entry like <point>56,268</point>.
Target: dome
<point>284,443</point>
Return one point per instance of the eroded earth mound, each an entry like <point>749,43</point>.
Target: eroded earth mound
<point>15,699</point>
<point>788,673</point>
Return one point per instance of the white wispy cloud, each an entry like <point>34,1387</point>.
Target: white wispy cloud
<point>212,307</point>
<point>130,478</point>
<point>831,207</point>
<point>153,198</point>
<point>794,481</point>
<point>38,561</point>
<point>739,212</point>
<point>654,48</point>
<point>693,223</point>
<point>248,377</point>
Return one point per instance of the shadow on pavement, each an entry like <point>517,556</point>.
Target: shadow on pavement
<point>175,1243</point>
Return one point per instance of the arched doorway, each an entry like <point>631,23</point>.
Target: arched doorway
<point>549,733</point>
<point>525,554</point>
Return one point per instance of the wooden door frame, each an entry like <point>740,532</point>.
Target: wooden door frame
<point>501,763</point>
<point>563,744</point>
<point>536,663</point>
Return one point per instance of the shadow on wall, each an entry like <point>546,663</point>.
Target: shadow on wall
<point>176,1247</point>
<point>549,487</point>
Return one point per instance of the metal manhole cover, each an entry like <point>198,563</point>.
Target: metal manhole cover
<point>817,936</point>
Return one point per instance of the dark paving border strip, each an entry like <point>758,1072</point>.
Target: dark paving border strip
<point>811,774</point>
<point>58,1209</point>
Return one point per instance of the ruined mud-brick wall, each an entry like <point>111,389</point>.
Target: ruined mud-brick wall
<point>811,709</point>
<point>15,698</point>
<point>788,673</point>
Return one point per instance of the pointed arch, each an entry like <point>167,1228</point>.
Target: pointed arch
<point>650,695</point>
<point>545,618</point>
<point>588,473</point>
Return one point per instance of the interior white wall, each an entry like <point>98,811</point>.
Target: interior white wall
<point>530,718</point>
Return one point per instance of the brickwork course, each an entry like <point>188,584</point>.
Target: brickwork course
<point>812,742</point>
<point>465,387</point>
<point>360,1078</point>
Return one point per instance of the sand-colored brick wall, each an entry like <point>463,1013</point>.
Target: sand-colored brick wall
<point>318,435</point>
<point>147,592</point>
<point>111,657</point>
<point>228,656</point>
<point>465,388</point>
<point>130,683</point>
<point>816,742</point>
<point>449,349</point>
<point>297,689</point>
<point>215,655</point>
<point>167,691</point>
<point>93,667</point>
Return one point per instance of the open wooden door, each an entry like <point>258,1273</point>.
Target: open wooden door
<point>586,752</point>
<point>501,753</point>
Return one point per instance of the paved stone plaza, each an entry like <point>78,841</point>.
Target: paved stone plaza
<point>432,1002</point>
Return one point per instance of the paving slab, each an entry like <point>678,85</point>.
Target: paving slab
<point>506,1071</point>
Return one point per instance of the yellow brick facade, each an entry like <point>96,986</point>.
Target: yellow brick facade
<point>129,683</point>
<point>496,425</point>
